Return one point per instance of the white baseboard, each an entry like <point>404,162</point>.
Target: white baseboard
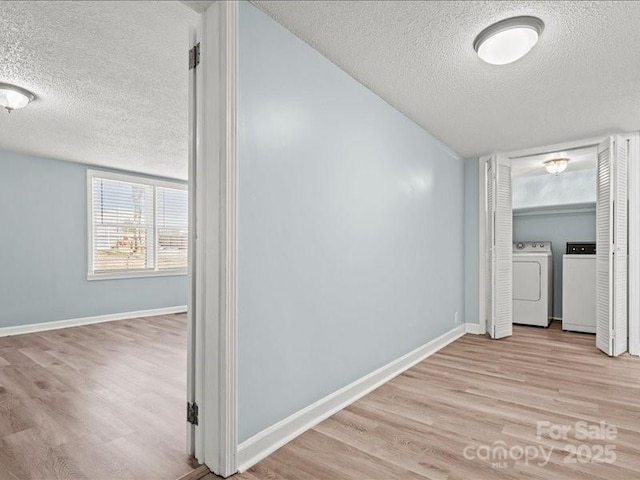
<point>266,442</point>
<point>43,327</point>
<point>473,328</point>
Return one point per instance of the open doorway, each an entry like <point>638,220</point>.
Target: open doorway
<point>554,239</point>
<point>94,283</point>
<point>519,276</point>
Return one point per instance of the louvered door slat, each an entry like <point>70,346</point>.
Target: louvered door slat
<point>620,257</point>
<point>490,210</point>
<point>503,251</point>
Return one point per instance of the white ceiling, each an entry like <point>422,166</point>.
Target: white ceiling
<point>110,79</point>
<point>581,80</point>
<point>111,76</point>
<point>585,158</point>
<point>198,5</point>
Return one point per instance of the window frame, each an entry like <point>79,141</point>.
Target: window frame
<point>130,178</point>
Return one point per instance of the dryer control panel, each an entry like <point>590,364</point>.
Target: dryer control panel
<point>581,248</point>
<point>531,247</point>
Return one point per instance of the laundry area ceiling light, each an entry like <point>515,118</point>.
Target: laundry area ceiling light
<point>13,97</point>
<point>556,165</point>
<point>508,40</point>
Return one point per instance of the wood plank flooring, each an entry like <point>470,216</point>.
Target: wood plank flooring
<point>199,473</point>
<point>472,394</point>
<point>97,402</point>
<point>106,402</point>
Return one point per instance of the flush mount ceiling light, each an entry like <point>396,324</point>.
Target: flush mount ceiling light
<point>508,40</point>
<point>12,97</point>
<point>556,165</point>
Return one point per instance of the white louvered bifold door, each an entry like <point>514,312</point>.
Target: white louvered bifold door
<point>604,254</point>
<point>500,314</point>
<point>604,246</point>
<point>503,284</point>
<point>611,251</point>
<point>620,246</point>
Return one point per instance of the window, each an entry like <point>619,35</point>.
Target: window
<point>137,226</point>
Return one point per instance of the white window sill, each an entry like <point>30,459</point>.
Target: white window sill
<point>141,274</point>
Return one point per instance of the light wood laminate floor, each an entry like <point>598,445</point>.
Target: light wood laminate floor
<point>474,393</point>
<point>97,402</point>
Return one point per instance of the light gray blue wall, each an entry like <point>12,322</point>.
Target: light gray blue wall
<point>43,250</point>
<point>559,228</point>
<point>471,239</point>
<point>350,228</point>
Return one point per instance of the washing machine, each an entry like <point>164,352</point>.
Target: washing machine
<point>532,283</point>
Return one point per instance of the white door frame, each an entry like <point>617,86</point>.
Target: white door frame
<point>482,242</point>
<point>634,226</point>
<point>634,242</point>
<point>213,275</point>
<point>194,37</point>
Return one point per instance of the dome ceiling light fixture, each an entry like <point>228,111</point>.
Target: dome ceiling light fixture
<point>556,165</point>
<point>508,40</point>
<point>13,97</point>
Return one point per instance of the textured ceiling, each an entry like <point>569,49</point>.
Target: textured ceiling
<point>579,159</point>
<point>110,79</point>
<point>581,80</point>
<point>198,5</point>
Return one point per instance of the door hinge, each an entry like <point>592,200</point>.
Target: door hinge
<point>192,413</point>
<point>194,57</point>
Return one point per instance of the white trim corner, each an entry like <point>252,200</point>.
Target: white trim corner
<point>474,329</point>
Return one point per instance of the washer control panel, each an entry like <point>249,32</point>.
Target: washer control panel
<point>531,247</point>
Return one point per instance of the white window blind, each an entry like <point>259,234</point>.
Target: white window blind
<point>137,226</point>
<point>172,225</point>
